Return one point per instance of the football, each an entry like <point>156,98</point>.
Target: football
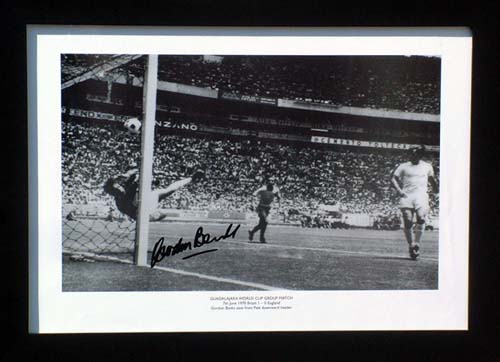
<point>133,125</point>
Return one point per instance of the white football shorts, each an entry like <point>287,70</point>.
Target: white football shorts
<point>416,201</point>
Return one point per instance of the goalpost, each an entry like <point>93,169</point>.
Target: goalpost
<point>89,229</point>
<point>147,153</point>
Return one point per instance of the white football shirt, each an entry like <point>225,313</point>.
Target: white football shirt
<point>414,178</point>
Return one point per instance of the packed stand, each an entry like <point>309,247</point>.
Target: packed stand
<point>359,181</point>
<point>410,84</point>
<point>91,155</point>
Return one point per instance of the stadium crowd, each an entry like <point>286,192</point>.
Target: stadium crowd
<point>357,180</point>
<point>90,155</point>
<point>368,82</point>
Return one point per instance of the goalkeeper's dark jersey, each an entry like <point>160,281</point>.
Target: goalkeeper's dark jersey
<point>125,195</point>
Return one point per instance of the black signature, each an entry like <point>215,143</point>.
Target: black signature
<point>160,251</point>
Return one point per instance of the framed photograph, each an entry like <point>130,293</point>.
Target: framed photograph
<point>203,179</point>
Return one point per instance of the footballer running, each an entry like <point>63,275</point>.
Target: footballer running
<point>266,195</point>
<point>411,179</point>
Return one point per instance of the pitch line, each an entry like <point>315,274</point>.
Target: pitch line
<point>362,253</point>
<point>218,279</point>
<point>182,272</point>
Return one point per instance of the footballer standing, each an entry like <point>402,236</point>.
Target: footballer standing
<point>411,179</point>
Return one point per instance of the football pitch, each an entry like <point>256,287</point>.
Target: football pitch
<point>294,258</point>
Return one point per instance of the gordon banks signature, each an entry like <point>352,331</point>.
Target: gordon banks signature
<point>160,251</point>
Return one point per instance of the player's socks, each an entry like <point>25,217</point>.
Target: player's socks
<point>419,232</point>
<point>163,193</point>
<point>177,185</point>
<point>408,235</point>
<point>411,245</point>
<point>262,232</point>
<point>250,235</point>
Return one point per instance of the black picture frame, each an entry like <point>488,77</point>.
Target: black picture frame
<point>478,344</point>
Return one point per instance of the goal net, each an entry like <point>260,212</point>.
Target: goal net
<point>99,92</point>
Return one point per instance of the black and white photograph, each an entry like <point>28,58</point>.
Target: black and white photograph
<point>250,172</point>
<point>227,180</point>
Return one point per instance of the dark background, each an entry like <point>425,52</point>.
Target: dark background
<point>480,343</point>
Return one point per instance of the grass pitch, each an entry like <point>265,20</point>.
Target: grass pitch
<point>294,258</point>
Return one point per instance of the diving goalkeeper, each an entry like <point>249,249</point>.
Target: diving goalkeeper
<point>125,190</point>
